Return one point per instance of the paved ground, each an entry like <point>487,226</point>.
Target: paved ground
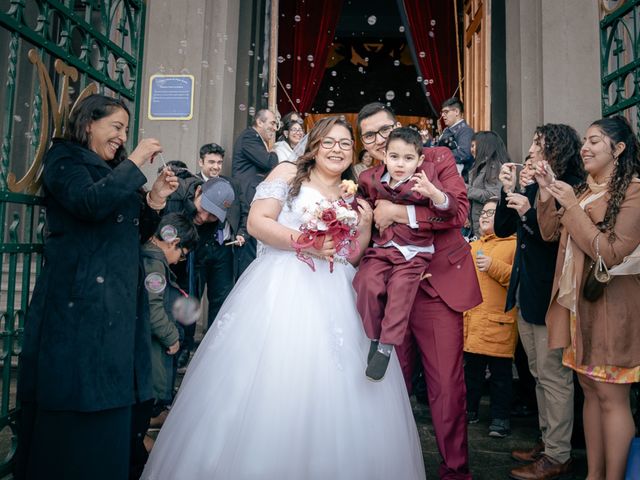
<point>489,457</point>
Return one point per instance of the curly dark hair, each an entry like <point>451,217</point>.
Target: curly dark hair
<point>307,161</point>
<point>561,149</point>
<point>617,129</point>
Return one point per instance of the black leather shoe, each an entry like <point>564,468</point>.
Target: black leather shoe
<point>372,349</point>
<point>377,367</point>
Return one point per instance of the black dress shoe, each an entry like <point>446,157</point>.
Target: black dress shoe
<point>373,346</point>
<point>377,366</point>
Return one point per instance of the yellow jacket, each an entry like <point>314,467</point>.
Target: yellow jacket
<point>488,330</point>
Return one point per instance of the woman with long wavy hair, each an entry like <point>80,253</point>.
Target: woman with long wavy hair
<point>276,389</point>
<point>600,334</point>
<point>530,287</point>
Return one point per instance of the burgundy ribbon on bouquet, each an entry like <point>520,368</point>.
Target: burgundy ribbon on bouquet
<point>342,234</point>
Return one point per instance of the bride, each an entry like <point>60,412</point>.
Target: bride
<point>277,388</point>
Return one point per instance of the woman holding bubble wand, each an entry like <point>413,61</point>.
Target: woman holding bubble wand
<point>85,354</point>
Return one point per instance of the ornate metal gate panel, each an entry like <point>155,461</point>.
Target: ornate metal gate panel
<point>52,52</point>
<point>620,58</point>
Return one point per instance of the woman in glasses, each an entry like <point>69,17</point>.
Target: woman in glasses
<point>276,389</point>
<point>292,133</point>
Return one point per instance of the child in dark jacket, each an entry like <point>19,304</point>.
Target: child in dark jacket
<point>175,236</point>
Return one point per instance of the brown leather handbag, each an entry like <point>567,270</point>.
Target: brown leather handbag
<point>597,278</point>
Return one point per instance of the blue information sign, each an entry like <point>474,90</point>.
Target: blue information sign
<point>171,97</point>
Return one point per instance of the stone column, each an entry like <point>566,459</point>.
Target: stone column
<point>553,67</point>
<point>199,38</point>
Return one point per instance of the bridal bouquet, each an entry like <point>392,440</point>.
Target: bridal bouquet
<point>334,219</point>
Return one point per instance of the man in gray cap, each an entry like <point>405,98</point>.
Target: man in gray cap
<point>207,204</point>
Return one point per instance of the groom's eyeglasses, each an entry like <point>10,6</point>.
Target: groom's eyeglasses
<point>370,137</point>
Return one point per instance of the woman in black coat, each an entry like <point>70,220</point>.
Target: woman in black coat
<point>85,355</point>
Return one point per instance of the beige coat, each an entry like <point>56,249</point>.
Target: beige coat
<point>488,330</point>
<point>607,330</point>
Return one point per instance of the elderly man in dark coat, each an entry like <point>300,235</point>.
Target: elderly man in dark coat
<point>251,162</point>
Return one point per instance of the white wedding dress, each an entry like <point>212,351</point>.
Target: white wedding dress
<point>277,389</point>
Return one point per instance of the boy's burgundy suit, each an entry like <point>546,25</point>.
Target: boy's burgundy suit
<point>386,282</point>
<point>435,324</point>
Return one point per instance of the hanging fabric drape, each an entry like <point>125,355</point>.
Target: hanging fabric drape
<point>430,32</point>
<point>306,32</point>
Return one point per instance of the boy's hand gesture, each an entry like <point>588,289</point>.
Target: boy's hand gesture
<point>424,187</point>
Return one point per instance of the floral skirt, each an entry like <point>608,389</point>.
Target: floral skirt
<point>599,373</point>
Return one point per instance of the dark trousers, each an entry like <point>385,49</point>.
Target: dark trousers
<point>524,390</point>
<point>140,416</point>
<point>65,445</point>
<point>245,255</point>
<point>386,286</point>
<point>215,270</point>
<point>500,383</point>
<point>435,331</point>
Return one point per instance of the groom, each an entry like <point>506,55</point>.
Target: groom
<point>451,287</point>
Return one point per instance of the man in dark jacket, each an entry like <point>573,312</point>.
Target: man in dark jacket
<point>457,135</point>
<point>215,253</point>
<point>207,204</point>
<point>252,161</point>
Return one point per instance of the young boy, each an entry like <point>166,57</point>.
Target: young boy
<point>174,237</point>
<point>490,334</point>
<point>390,272</point>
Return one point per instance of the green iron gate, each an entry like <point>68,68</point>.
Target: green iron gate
<point>52,52</point>
<point>620,58</point>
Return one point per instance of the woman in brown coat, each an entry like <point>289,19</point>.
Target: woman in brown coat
<point>601,338</point>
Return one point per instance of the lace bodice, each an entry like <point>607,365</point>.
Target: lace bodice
<point>292,209</point>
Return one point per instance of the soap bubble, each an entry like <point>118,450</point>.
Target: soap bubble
<point>333,73</point>
<point>433,22</point>
<point>396,63</point>
<point>330,103</point>
<point>242,107</point>
<point>155,282</point>
<point>280,59</point>
<point>168,233</point>
<point>390,95</point>
<point>186,310</point>
<point>372,20</point>
<point>422,54</point>
<point>310,58</point>
<point>297,18</point>
<point>401,29</point>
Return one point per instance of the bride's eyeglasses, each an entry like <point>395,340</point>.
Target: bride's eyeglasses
<point>344,144</point>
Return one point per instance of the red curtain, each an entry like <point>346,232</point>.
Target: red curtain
<point>431,26</point>
<point>306,31</point>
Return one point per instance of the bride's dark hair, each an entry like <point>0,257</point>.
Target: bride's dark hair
<point>308,160</point>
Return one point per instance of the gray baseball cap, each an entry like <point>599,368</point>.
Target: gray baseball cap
<point>217,197</point>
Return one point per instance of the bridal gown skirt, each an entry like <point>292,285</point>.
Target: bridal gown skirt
<point>277,390</point>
